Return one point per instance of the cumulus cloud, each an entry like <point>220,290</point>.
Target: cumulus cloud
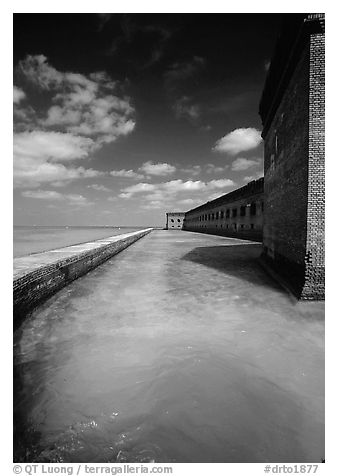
<point>172,194</point>
<point>43,194</point>
<point>193,170</point>
<point>85,105</point>
<point>214,169</point>
<point>239,140</point>
<point>128,192</point>
<point>125,174</point>
<point>39,157</point>
<point>54,146</point>
<point>243,164</point>
<point>99,188</point>
<point>36,69</point>
<point>18,95</point>
<point>84,112</point>
<point>161,190</point>
<point>221,183</point>
<point>73,199</point>
<point>150,168</point>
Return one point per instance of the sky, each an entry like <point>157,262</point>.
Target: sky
<point>119,118</point>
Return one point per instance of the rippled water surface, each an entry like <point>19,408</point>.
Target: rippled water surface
<point>180,349</point>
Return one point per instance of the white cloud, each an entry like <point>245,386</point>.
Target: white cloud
<point>221,183</point>
<point>73,199</point>
<point>150,168</point>
<point>164,190</point>
<point>250,178</point>
<point>128,192</point>
<point>213,169</point>
<point>18,95</point>
<point>243,164</point>
<point>239,140</point>
<point>37,157</point>
<point>83,113</point>
<point>43,194</point>
<point>80,104</point>
<point>193,170</point>
<point>54,146</point>
<point>99,188</point>
<point>76,199</point>
<point>125,174</point>
<point>37,70</point>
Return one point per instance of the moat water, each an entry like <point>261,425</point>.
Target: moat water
<point>179,349</point>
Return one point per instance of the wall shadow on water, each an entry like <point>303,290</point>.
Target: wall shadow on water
<point>26,438</point>
<point>238,260</point>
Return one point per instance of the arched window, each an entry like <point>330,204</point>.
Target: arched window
<point>253,208</point>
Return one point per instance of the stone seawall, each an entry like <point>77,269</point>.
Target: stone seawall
<point>37,277</point>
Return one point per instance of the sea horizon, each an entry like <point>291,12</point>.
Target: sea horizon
<point>32,239</point>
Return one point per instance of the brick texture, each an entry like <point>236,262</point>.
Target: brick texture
<point>315,250</point>
<point>293,234</point>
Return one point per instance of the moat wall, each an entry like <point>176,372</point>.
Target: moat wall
<point>39,276</point>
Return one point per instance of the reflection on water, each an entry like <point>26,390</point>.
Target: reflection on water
<point>169,352</point>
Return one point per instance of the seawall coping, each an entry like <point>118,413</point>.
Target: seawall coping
<point>26,264</point>
<point>38,276</point>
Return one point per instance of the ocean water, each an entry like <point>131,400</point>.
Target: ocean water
<point>35,239</point>
<point>179,349</point>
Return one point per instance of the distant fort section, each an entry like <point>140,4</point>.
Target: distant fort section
<point>292,112</point>
<point>291,196</point>
<point>174,220</point>
<point>237,214</point>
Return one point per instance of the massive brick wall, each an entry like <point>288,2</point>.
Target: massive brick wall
<point>293,117</point>
<point>237,214</point>
<point>33,286</point>
<point>315,252</point>
<point>286,176</point>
